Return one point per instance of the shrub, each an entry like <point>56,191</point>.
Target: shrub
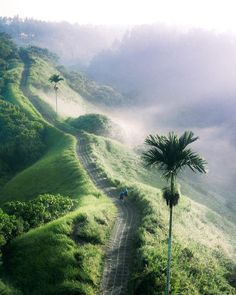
<point>22,138</point>
<point>41,210</point>
<point>97,124</point>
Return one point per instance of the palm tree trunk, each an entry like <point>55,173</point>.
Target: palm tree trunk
<point>169,252</point>
<point>56,101</point>
<point>170,239</point>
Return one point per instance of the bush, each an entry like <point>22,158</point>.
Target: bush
<point>41,210</point>
<point>19,217</point>
<point>22,138</point>
<point>10,227</point>
<point>97,124</point>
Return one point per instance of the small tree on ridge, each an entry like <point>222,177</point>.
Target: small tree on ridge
<point>55,79</point>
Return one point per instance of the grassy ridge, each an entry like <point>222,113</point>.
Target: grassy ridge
<point>65,256</point>
<point>204,242</point>
<point>12,92</point>
<point>70,103</point>
<point>58,171</point>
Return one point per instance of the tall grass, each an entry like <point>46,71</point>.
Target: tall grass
<point>64,256</point>
<point>204,246</point>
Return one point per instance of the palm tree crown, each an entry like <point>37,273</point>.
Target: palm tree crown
<point>170,154</point>
<point>55,78</point>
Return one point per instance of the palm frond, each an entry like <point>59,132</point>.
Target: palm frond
<point>195,162</point>
<point>170,155</point>
<point>153,157</point>
<point>186,139</point>
<point>55,78</point>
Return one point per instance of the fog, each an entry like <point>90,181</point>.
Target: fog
<point>73,43</point>
<point>173,79</point>
<point>178,80</point>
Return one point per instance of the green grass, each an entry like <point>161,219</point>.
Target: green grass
<point>58,171</point>
<point>121,163</point>
<point>70,103</point>
<point>54,259</point>
<point>13,94</point>
<point>65,256</point>
<point>207,238</point>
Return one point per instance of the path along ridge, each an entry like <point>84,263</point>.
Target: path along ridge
<point>119,254</point>
<point>120,249</point>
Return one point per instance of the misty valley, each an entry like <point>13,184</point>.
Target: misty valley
<point>117,159</point>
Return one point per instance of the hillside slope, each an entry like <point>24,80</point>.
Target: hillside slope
<point>69,240</point>
<point>204,241</point>
<point>204,245</point>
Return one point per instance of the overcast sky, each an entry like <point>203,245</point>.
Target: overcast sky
<point>210,14</point>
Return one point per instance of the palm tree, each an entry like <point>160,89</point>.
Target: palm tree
<point>171,155</point>
<point>55,79</point>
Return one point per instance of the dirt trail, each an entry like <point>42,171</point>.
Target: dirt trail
<point>120,247</point>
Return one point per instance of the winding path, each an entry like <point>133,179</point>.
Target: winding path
<point>120,248</point>
<point>119,252</point>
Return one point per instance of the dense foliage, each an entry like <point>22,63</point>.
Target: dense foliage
<point>17,217</point>
<point>65,256</point>
<point>43,53</point>
<point>41,210</point>
<point>22,139</point>
<point>97,124</point>
<point>8,53</point>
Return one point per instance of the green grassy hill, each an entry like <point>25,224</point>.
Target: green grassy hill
<point>56,170</point>
<point>204,241</point>
<point>65,256</point>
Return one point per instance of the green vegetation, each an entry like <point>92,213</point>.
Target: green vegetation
<point>18,217</point>
<point>43,209</point>
<point>64,256</point>
<point>203,249</point>
<point>96,124</point>
<point>39,90</point>
<point>91,90</point>
<point>170,155</point>
<point>57,172</point>
<point>21,138</point>
<point>8,55</point>
<point>7,290</point>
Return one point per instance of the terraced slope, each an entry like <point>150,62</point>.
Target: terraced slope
<point>120,248</point>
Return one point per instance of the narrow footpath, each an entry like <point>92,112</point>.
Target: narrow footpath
<point>120,248</point>
<point>118,259</point>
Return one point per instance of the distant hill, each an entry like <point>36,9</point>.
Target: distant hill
<point>75,44</point>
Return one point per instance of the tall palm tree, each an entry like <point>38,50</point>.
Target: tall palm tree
<point>55,79</point>
<point>171,155</point>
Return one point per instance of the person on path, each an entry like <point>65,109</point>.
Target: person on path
<point>122,194</point>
